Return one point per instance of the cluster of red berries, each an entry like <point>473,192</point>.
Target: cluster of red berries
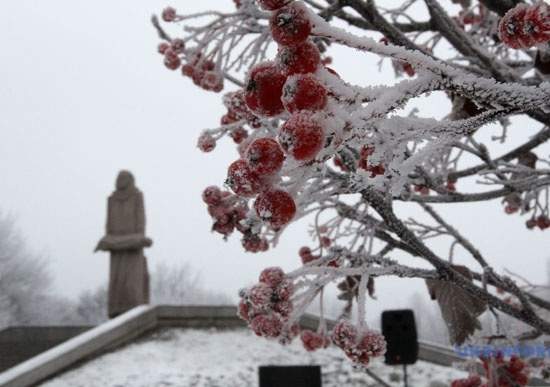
<point>201,70</point>
<point>359,346</point>
<point>525,25</point>
<point>471,381</point>
<point>288,83</point>
<point>266,306</point>
<point>203,73</point>
<point>508,373</point>
<point>513,203</point>
<point>312,341</point>
<point>512,372</point>
<point>226,209</point>
<point>363,162</point>
<point>271,88</point>
<point>229,213</point>
<point>541,221</point>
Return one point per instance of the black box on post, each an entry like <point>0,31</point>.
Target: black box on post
<point>399,329</point>
<point>290,376</point>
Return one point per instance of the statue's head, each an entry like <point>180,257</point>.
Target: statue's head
<point>125,181</point>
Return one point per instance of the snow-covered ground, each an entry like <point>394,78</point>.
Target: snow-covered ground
<point>213,358</point>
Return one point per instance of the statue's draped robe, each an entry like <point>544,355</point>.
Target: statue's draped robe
<point>129,279</point>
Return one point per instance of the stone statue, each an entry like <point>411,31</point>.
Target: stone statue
<point>125,239</point>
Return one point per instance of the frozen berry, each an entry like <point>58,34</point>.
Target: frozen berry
<point>304,92</point>
<point>265,156</point>
<point>525,25</point>
<point>225,227</point>
<point>290,25</point>
<point>206,143</point>
<point>163,47</point>
<point>254,244</point>
<point>306,255</point>
<point>238,135</point>
<point>543,222</point>
<point>302,136</point>
<point>284,291</point>
<point>242,180</point>
<point>212,195</point>
<point>344,334</point>
<point>272,276</point>
<point>301,59</point>
<point>267,325</point>
<point>171,60</point>
<point>264,88</point>
<point>260,295</point>
<point>275,207</point>
<point>312,341</point>
<point>244,310</point>
<point>373,343</point>
<point>284,308</point>
<point>169,14</point>
<point>271,5</point>
<point>178,46</point>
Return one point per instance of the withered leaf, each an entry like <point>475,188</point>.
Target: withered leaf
<point>459,309</point>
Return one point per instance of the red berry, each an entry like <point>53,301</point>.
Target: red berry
<point>242,180</point>
<point>306,255</point>
<point>169,14</point>
<point>224,227</point>
<point>301,59</point>
<point>325,242</point>
<point>373,343</point>
<point>228,119</point>
<point>187,70</point>
<point>284,291</point>
<point>302,136</point>
<point>178,46</point>
<point>272,276</point>
<point>235,103</point>
<point>271,5</point>
<point>244,310</point>
<point>510,209</point>
<point>264,88</point>
<point>238,135</point>
<point>267,326</point>
<point>472,381</point>
<point>290,25</point>
<point>374,169</point>
<point>163,47</point>
<point>312,341</point>
<point>260,295</point>
<point>284,308</point>
<point>254,244</point>
<point>422,189</point>
<point>525,25</point>
<point>212,195</point>
<point>408,69</point>
<point>265,156</point>
<point>275,207</point>
<point>171,60</point>
<point>344,334</point>
<point>206,143</point>
<point>211,81</point>
<point>304,92</point>
<point>543,222</point>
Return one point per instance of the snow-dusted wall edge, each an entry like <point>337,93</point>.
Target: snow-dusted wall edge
<point>142,319</point>
<point>115,332</point>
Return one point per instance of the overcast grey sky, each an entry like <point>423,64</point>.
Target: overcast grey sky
<point>84,94</point>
